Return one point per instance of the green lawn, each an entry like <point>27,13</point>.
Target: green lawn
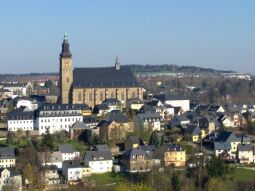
<point>242,174</point>
<point>106,178</point>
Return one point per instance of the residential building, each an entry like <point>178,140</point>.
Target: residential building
<point>73,170</point>
<point>173,155</point>
<point>20,120</point>
<point>68,152</point>
<point>245,153</point>
<point>10,180</point>
<point>136,160</point>
<point>175,101</point>
<point>50,175</point>
<point>148,121</point>
<point>98,161</point>
<point>53,118</point>
<point>7,157</point>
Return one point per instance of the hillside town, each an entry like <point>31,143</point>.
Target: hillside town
<point>102,121</point>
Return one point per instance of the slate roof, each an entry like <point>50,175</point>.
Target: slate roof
<point>6,153</point>
<point>66,148</point>
<point>97,156</point>
<point>79,125</point>
<point>222,145</point>
<point>117,116</point>
<point>72,164</point>
<point>103,77</point>
<point>245,147</point>
<point>103,147</point>
<point>227,136</point>
<point>193,129</point>
<point>147,109</point>
<point>20,115</point>
<point>57,107</point>
<point>149,116</point>
<point>133,154</point>
<point>135,140</point>
<point>104,123</point>
<point>13,171</point>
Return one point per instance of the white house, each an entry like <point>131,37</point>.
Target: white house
<point>10,179</point>
<point>68,152</point>
<point>58,117</point>
<point>7,157</point>
<point>50,159</point>
<point>98,161</point>
<point>72,170</point>
<point>23,120</point>
<point>148,121</point>
<point>245,153</point>
<point>175,101</point>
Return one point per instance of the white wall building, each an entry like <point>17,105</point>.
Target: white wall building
<point>55,118</point>
<point>20,120</point>
<point>98,161</point>
<point>68,152</point>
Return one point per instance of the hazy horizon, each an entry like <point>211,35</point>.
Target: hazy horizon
<point>218,35</point>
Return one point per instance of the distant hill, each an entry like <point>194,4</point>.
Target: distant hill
<point>174,68</point>
<point>134,68</point>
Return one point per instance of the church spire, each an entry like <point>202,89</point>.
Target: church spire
<point>117,64</point>
<point>65,52</point>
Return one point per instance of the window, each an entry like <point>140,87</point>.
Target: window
<point>101,96</point>
<point>112,95</point>
<point>90,96</point>
<point>67,79</point>
<point>133,94</point>
<point>79,96</point>
<point>122,96</point>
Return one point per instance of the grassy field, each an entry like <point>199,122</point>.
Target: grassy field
<point>106,178</point>
<point>243,174</point>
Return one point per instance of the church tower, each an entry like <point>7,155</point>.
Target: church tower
<point>65,72</point>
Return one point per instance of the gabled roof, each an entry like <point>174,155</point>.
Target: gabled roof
<point>135,140</point>
<point>50,157</point>
<point>72,164</point>
<point>245,147</point>
<point>222,145</point>
<point>66,148</point>
<point>148,116</point>
<point>227,136</point>
<point>6,153</point>
<point>104,77</point>
<point>79,125</point>
<point>104,123</point>
<point>97,156</point>
<point>103,147</point>
<point>20,115</point>
<point>134,154</point>
<point>193,129</point>
<point>117,116</point>
<point>147,109</point>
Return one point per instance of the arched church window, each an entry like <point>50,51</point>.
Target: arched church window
<point>79,96</point>
<point>67,79</point>
<point>101,96</point>
<point>112,95</point>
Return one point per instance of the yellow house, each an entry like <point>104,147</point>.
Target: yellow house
<point>174,155</point>
<point>86,171</point>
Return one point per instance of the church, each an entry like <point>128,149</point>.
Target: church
<point>94,85</point>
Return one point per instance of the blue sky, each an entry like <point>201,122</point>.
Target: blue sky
<point>218,34</point>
